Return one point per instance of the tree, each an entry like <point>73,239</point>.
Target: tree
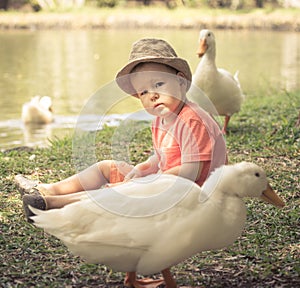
<point>3,4</point>
<point>259,3</point>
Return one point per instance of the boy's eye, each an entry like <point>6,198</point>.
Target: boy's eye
<point>156,86</point>
<point>143,92</point>
<point>159,84</point>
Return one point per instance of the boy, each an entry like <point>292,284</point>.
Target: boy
<point>187,142</point>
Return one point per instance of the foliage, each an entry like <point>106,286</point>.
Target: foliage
<point>266,255</point>
<point>237,4</point>
<point>107,3</point>
<point>62,5</point>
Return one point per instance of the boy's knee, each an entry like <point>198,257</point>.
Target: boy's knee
<point>104,168</point>
<point>104,163</point>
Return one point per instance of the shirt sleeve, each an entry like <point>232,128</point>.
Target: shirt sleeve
<point>195,141</point>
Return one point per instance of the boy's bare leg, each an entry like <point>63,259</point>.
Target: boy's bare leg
<point>60,201</point>
<point>47,202</point>
<point>89,179</point>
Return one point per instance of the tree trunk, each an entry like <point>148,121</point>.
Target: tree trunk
<point>4,4</point>
<point>259,3</point>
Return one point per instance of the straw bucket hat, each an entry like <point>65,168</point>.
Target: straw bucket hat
<point>152,50</point>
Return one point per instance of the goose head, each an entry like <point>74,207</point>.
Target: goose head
<point>206,43</point>
<point>46,103</point>
<point>248,180</point>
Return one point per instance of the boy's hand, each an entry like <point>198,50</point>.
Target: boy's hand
<point>134,173</point>
<point>110,185</point>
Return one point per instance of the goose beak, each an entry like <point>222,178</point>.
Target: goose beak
<point>271,197</point>
<point>202,48</point>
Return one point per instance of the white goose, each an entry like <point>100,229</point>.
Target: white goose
<point>223,89</point>
<point>133,226</point>
<point>38,110</point>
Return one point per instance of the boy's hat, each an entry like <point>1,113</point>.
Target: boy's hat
<point>152,50</point>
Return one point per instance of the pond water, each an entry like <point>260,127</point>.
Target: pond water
<point>70,66</point>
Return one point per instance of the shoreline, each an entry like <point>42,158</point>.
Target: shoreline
<point>152,19</point>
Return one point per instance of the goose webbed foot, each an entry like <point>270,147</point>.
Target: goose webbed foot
<point>132,281</point>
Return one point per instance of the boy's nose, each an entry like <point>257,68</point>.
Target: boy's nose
<point>154,96</point>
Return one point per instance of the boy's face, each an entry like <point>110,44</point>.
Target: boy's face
<point>160,89</point>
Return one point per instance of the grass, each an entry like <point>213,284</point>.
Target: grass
<point>266,255</point>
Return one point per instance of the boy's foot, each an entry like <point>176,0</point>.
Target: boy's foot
<point>36,201</point>
<point>26,186</point>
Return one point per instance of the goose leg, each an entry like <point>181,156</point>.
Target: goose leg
<point>169,279</point>
<point>132,281</point>
<point>227,118</point>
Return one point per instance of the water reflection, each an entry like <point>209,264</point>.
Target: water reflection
<point>37,134</point>
<point>290,77</point>
<point>15,133</point>
<point>70,66</point>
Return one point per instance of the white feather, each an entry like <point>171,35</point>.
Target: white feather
<point>223,89</point>
<point>38,110</point>
<point>150,229</point>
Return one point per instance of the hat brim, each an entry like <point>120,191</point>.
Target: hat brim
<point>178,64</point>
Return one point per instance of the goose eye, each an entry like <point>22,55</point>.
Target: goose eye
<point>208,34</point>
<point>257,174</point>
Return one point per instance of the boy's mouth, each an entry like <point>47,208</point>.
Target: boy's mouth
<point>157,105</point>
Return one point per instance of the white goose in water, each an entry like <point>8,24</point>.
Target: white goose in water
<point>223,89</point>
<point>38,110</point>
<point>152,223</point>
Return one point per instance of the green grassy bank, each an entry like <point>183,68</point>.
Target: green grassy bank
<point>266,255</point>
<point>155,17</point>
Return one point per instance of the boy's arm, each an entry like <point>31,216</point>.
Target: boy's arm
<point>190,170</point>
<point>150,166</point>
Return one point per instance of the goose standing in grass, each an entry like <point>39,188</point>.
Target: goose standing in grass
<point>38,110</point>
<point>223,89</point>
<point>150,224</point>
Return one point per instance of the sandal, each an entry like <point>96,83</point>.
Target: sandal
<point>36,201</point>
<point>26,186</point>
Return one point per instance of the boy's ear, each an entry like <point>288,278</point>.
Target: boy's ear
<point>182,79</point>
